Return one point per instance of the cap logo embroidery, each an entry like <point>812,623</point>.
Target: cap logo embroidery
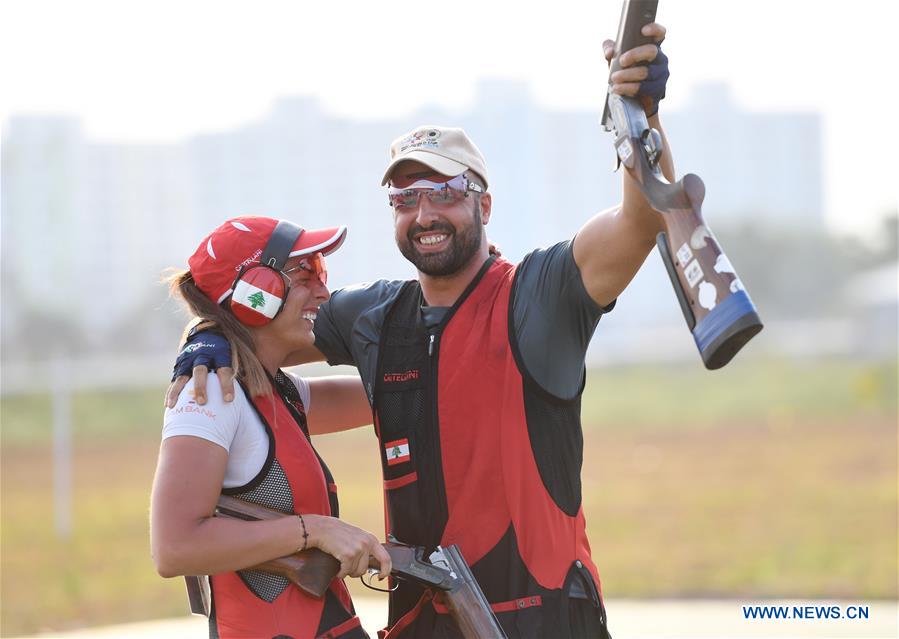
<point>253,258</point>
<point>419,139</point>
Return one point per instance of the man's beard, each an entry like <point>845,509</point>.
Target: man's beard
<point>463,244</point>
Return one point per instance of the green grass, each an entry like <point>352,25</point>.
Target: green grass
<point>27,419</point>
<point>679,397</point>
<point>764,479</point>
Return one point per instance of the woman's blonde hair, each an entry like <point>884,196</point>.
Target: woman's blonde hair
<point>247,367</point>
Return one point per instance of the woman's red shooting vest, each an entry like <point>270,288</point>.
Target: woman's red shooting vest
<point>294,479</point>
<point>475,453</point>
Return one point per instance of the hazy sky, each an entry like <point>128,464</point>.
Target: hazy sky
<point>162,70</point>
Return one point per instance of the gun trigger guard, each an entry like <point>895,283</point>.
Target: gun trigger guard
<point>371,573</point>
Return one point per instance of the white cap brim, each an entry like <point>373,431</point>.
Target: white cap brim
<point>442,165</point>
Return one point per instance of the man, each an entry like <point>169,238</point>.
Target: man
<point>475,372</point>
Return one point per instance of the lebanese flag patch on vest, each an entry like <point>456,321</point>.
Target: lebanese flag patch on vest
<point>397,452</point>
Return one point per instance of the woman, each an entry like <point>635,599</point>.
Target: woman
<point>260,282</point>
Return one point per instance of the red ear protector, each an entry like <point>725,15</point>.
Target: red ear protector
<point>260,289</point>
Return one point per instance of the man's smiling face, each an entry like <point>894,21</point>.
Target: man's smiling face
<point>439,238</point>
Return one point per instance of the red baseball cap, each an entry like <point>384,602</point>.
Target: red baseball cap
<point>240,242</point>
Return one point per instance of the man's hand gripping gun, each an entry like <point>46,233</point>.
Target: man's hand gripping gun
<point>716,307</point>
<point>444,571</point>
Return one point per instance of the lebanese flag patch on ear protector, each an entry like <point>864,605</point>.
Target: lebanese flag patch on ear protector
<point>258,296</point>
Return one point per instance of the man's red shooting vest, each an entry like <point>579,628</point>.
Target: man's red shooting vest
<point>475,453</point>
<point>294,479</point>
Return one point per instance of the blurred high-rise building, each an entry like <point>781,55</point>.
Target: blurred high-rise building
<point>765,167</point>
<point>87,227</point>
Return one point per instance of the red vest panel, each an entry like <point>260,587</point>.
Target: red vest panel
<point>293,480</point>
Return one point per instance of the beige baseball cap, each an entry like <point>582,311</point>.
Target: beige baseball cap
<point>446,150</point>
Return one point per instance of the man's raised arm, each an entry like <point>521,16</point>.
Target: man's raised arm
<point>610,248</point>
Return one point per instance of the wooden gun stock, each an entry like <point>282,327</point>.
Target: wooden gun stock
<point>312,570</point>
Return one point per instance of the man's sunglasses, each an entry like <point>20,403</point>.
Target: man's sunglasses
<point>440,193</point>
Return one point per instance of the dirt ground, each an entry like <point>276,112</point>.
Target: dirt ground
<point>777,508</point>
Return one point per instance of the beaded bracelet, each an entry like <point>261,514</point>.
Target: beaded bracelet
<point>305,534</point>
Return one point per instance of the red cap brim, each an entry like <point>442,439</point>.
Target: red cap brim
<point>324,241</point>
